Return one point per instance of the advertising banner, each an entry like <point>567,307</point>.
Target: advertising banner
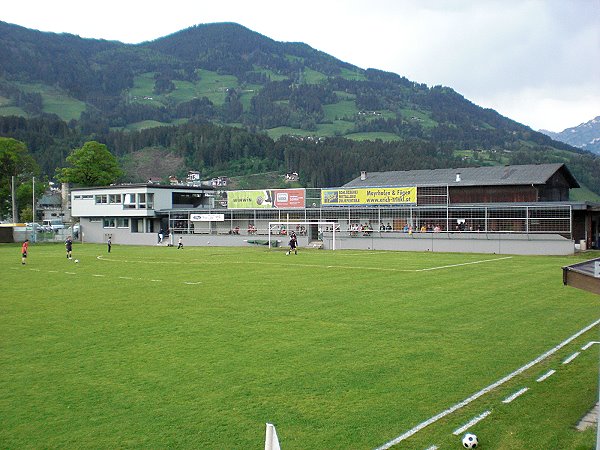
<point>207,217</point>
<point>369,196</point>
<point>271,198</point>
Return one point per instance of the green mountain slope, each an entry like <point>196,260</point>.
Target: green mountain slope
<point>227,75</point>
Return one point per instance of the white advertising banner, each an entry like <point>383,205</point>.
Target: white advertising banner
<point>207,217</point>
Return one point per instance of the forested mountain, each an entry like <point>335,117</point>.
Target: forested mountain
<point>226,100</point>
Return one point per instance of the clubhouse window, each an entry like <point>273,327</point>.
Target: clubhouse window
<point>108,222</point>
<point>114,199</point>
<point>122,222</point>
<point>145,201</point>
<point>129,201</point>
<point>101,199</point>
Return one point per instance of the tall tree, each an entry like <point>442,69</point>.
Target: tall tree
<point>16,161</point>
<point>91,165</point>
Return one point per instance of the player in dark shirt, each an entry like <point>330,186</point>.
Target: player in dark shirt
<point>69,247</point>
<point>293,244</point>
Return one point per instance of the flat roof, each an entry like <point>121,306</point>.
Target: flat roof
<point>583,275</point>
<point>146,185</point>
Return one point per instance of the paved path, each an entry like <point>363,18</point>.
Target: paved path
<point>589,420</point>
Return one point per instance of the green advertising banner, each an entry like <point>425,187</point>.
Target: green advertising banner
<point>369,196</point>
<point>272,198</point>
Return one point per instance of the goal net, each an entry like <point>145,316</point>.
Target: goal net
<point>314,230</point>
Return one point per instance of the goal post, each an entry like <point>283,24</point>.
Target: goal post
<point>322,227</point>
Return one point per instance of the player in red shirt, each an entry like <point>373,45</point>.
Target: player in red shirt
<point>24,249</point>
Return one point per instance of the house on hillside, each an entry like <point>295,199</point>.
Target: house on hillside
<point>292,176</point>
<point>218,181</point>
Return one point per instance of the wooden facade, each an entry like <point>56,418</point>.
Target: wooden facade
<point>492,194</point>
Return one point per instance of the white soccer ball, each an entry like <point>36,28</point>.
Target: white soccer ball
<point>76,260</point>
<point>470,441</point>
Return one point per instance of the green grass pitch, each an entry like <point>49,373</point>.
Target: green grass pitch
<point>154,347</point>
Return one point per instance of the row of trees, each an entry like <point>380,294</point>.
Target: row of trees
<point>17,168</point>
<point>90,165</point>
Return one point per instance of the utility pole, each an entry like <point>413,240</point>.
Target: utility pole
<point>14,203</point>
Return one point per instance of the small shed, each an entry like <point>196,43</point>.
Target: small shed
<point>584,275</point>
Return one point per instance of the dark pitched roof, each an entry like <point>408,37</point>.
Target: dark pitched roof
<point>469,176</point>
<point>50,199</point>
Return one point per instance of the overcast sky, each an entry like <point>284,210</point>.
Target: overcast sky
<point>535,61</point>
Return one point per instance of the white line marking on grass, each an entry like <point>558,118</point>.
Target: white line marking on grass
<point>378,269</point>
<point>138,261</point>
<point>487,389</point>
<point>156,280</point>
<point>98,275</point>
<point>53,271</point>
<point>126,278</point>
<point>520,392</point>
<point>462,264</point>
<point>433,447</point>
<point>571,358</point>
<point>71,273</point>
<point>318,266</point>
<point>192,282</point>
<point>472,422</point>
<point>589,344</point>
<point>546,375</point>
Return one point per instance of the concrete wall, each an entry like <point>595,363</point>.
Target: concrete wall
<point>498,243</point>
<point>93,232</point>
<point>509,244</point>
<point>196,240</point>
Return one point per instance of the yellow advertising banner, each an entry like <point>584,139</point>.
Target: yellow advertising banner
<point>369,196</point>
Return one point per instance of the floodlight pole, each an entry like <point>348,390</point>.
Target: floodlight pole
<point>33,223</point>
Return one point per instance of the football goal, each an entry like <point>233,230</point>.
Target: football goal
<point>279,229</point>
